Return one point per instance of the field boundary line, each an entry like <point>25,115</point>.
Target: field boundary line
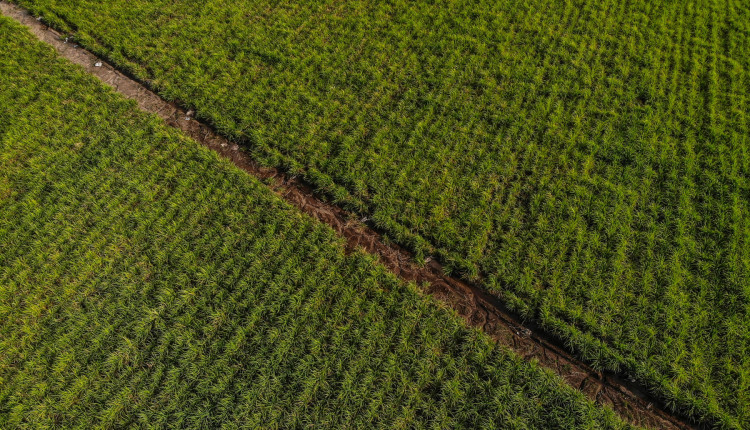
<point>477,307</point>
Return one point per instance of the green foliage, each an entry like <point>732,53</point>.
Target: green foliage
<point>588,157</point>
<point>144,282</point>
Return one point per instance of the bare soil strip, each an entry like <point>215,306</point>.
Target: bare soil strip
<point>477,307</point>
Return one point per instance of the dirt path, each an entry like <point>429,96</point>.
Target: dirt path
<point>477,307</point>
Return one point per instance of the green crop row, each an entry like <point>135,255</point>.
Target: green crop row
<point>587,159</point>
<point>144,282</point>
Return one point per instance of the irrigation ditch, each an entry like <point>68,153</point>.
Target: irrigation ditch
<point>629,399</point>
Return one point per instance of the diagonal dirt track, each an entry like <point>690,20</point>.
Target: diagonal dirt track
<point>477,307</point>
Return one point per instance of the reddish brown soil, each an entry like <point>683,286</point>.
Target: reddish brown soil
<point>477,307</point>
